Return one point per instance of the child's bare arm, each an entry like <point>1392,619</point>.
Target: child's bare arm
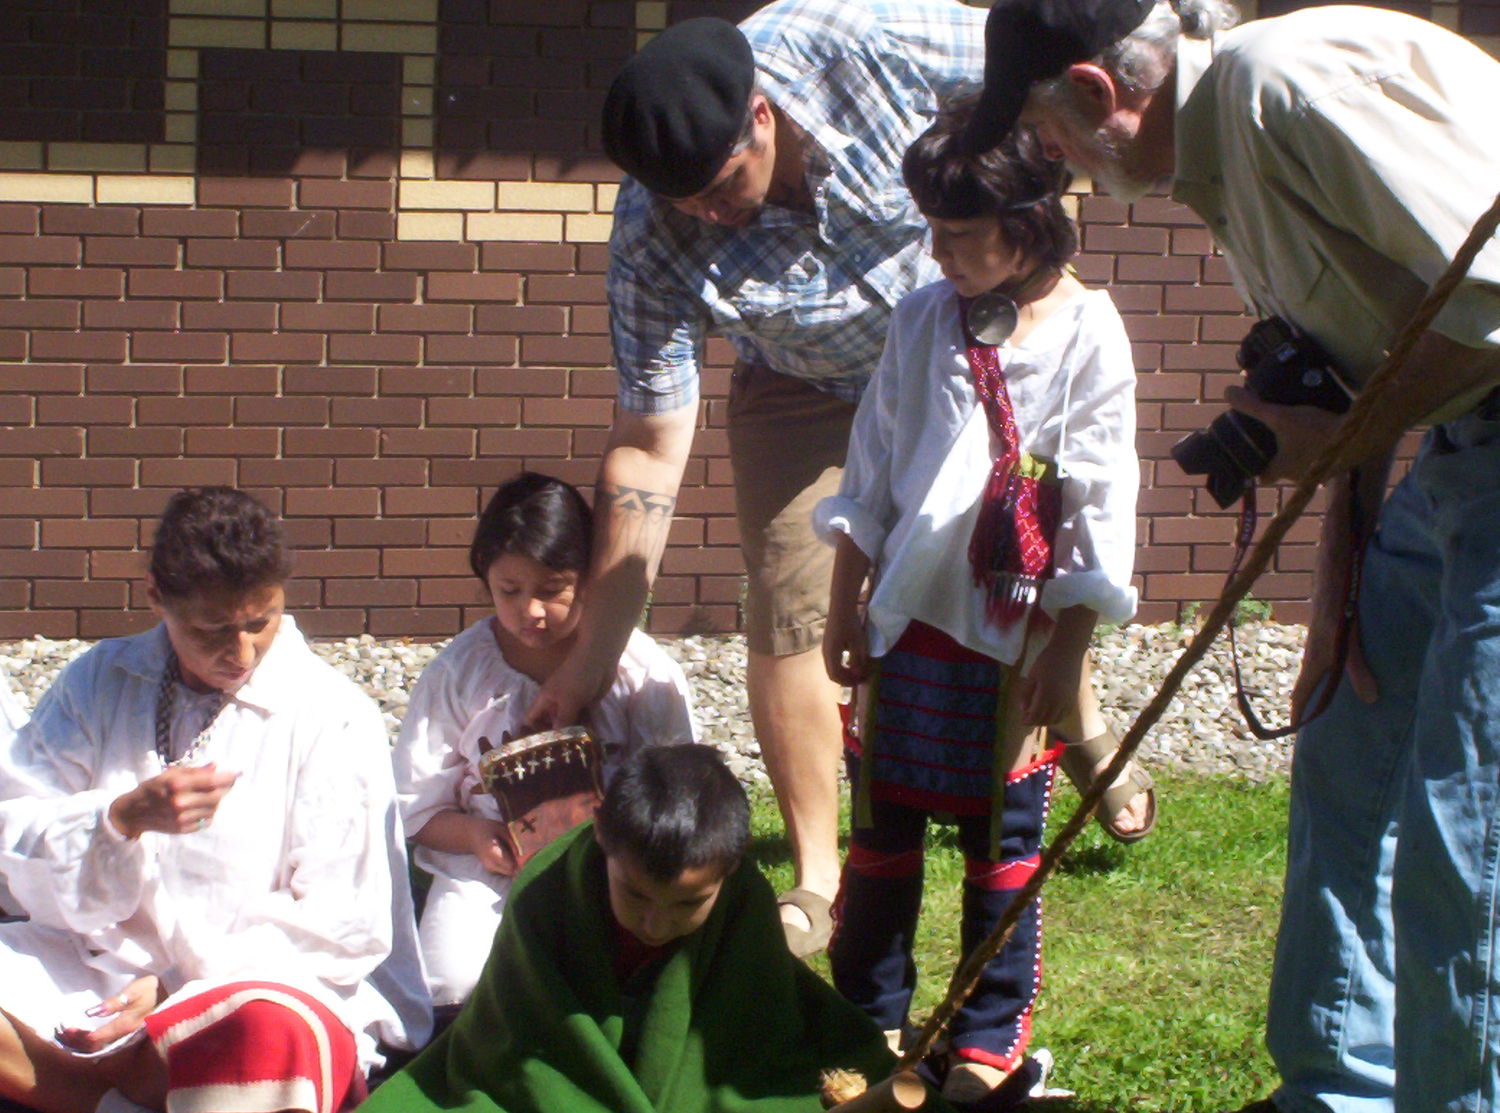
<point>1050,689</point>
<point>460,833</point>
<point>845,651</point>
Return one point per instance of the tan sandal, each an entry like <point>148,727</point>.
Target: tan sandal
<point>1080,759</point>
<point>819,912</point>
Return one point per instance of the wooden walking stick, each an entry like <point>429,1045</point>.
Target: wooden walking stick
<point>1355,421</point>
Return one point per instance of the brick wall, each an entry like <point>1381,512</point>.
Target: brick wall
<point>349,254</point>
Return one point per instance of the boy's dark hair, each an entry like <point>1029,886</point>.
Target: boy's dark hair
<point>216,539</point>
<point>674,808</point>
<point>535,516</point>
<point>1012,182</point>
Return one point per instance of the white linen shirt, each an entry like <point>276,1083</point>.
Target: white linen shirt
<point>920,455</point>
<point>293,879</point>
<point>1340,155</point>
<point>437,756</point>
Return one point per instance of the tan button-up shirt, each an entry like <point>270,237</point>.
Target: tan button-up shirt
<point>1339,156</point>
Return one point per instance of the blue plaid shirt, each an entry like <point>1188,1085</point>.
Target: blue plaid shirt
<point>809,296</point>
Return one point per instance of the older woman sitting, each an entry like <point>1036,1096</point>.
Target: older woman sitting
<point>200,821</point>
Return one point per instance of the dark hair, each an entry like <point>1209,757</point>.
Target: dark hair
<point>948,183</point>
<point>674,808</point>
<point>216,539</point>
<point>535,516</point>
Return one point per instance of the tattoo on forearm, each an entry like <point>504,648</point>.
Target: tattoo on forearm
<point>633,522</point>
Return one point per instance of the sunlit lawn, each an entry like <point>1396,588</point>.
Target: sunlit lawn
<point>1155,957</point>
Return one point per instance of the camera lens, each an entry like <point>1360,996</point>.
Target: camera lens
<point>1230,453</point>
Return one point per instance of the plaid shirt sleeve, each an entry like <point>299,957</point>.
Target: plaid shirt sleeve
<point>657,329</point>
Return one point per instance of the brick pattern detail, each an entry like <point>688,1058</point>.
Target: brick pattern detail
<point>82,70</point>
<point>288,326</point>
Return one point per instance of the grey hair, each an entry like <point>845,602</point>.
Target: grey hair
<point>1143,59</point>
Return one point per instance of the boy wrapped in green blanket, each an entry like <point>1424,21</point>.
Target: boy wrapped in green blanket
<point>638,969</point>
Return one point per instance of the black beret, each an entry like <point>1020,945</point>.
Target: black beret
<point>675,110</point>
<point>1026,41</point>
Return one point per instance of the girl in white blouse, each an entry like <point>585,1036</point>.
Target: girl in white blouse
<point>531,551</point>
<point>990,487</point>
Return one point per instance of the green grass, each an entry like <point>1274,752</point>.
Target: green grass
<point>1155,957</point>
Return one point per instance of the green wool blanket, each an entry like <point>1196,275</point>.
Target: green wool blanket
<point>732,1022</point>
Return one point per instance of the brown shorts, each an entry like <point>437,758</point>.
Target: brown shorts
<point>787,443</point>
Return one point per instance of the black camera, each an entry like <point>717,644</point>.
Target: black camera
<point>1283,366</point>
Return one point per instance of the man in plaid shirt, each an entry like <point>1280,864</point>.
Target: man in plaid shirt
<point>764,204</point>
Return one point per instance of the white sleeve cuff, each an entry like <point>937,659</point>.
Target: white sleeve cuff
<point>836,514</point>
<point>1112,602</point>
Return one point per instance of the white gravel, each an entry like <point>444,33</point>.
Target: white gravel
<point>1201,732</point>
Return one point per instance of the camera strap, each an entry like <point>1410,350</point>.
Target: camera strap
<point>1353,570</point>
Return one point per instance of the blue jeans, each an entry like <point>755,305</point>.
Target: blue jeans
<point>1384,990</point>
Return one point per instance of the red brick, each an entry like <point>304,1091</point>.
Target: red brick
<point>331,380</point>
<point>199,471</point>
<point>378,531</point>
<point>185,411</point>
<point>520,318</point>
<point>405,472</point>
<point>355,348</point>
<point>692,620</point>
<point>1205,357</point>
<point>182,223</point>
<point>1160,210</point>
<point>236,442</point>
<point>134,252</point>
<point>473,287</point>
<point>88,473</point>
<point>33,502</point>
<point>278,347</point>
<point>115,565</point>
<point>256,254</point>
<point>425,318</point>
<point>568,411</point>
<point>566,290</point>
<point>260,193</point>
<point>427,562</point>
<point>133,314</point>
<point>275,285</point>
<point>415,622</point>
<point>341,562</point>
<point>281,411</point>
<point>1191,241</point>
<point>432,502</point>
<point>326,622</point>
<point>453,532</point>
<point>20,219</point>
<point>1160,328</point>
<point>13,346</point>
<point>331,442</point>
<point>486,473</point>
<point>135,379</point>
<point>94,624</point>
<point>102,346</point>
<point>526,382</point>
<point>62,409</point>
<point>1137,241</point>
<point>314,194</point>
<point>471,349</point>
<point>44,313</point>
<point>361,255</point>
<point>180,346</point>
<point>329,317</point>
<point>527,257</point>
<point>288,225</point>
<point>80,220</point>
<point>36,624</point>
<point>176,284</point>
<point>474,412</point>
<point>1158,268</point>
<point>57,250</point>
<point>427,442</point>
<point>1203,299</point>
<point>236,315</point>
<point>355,225</point>
<point>68,533</point>
<point>568,350</point>
<point>161,440</point>
<point>377,411</point>
<point>370,593</point>
<point>286,473</point>
<point>589,320</point>
<point>90,282</point>
<point>417,256</point>
<point>454,591</point>
<point>426,380</point>
<point>106,594</point>
<point>359,286</point>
